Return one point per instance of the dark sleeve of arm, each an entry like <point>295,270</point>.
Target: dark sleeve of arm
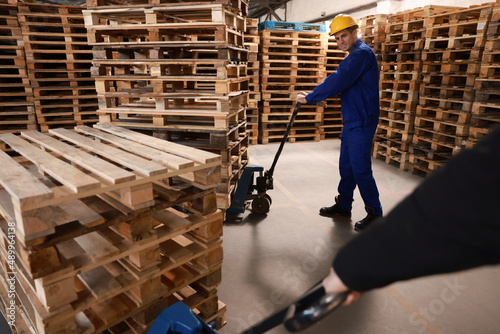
<point>451,222</point>
<point>346,74</point>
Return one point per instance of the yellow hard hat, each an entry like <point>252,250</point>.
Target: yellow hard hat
<point>341,22</point>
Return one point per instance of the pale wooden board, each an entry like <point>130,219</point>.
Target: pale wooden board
<point>104,169</point>
<point>174,251</point>
<point>68,175</point>
<point>23,186</point>
<point>170,220</point>
<point>167,159</point>
<point>96,246</point>
<point>99,281</point>
<point>85,215</point>
<point>173,148</point>
<point>138,164</point>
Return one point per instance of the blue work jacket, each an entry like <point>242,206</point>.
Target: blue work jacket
<point>357,81</point>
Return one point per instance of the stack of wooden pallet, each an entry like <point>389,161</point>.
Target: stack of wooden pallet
<point>252,41</point>
<point>486,106</point>
<point>372,29</point>
<point>400,80</point>
<point>292,60</point>
<point>451,62</point>
<point>104,227</point>
<point>331,123</point>
<point>177,71</point>
<point>59,60</point>
<point>16,96</point>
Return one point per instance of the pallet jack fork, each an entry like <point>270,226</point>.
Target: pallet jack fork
<point>255,188</point>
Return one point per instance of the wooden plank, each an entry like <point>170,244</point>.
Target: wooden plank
<point>173,148</point>
<point>68,175</point>
<point>138,164</point>
<point>96,246</point>
<point>85,215</point>
<point>104,169</point>
<point>99,282</point>
<point>23,186</point>
<point>170,160</point>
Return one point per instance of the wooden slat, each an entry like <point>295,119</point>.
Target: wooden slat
<point>85,215</point>
<point>170,160</point>
<point>96,246</point>
<point>23,186</point>
<point>138,164</point>
<point>99,281</point>
<point>104,169</point>
<point>68,175</point>
<point>173,148</point>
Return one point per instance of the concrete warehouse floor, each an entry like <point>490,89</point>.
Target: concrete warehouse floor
<point>271,260</point>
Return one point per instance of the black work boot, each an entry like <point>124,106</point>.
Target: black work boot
<point>335,210</point>
<point>363,223</point>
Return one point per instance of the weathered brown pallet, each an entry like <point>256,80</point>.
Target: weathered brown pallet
<point>457,42</point>
<point>447,92</point>
<point>457,117</point>
<point>391,154</point>
<point>419,13</point>
<point>393,105</point>
<point>399,85</point>
<point>437,139</point>
<point>418,164</point>
<point>445,103</point>
<point>447,127</point>
<point>405,36</point>
<point>403,46</point>
<point>240,5</point>
<point>407,66</point>
<point>451,55</point>
<point>299,134</point>
<point>399,95</point>
<point>175,17</point>
<point>450,79</point>
<point>458,15</point>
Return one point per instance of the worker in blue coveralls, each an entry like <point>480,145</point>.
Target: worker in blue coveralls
<point>357,81</point>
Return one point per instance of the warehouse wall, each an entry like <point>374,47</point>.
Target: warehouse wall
<point>325,10</point>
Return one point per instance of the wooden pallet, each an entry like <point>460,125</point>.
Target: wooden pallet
<point>138,213</point>
<point>240,5</point>
<point>391,153</point>
<point>447,92</point>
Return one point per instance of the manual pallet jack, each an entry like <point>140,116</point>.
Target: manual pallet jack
<point>304,312</point>
<point>251,188</point>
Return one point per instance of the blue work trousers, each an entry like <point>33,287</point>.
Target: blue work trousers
<point>356,168</point>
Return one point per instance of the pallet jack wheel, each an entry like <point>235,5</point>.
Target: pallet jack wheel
<point>261,204</point>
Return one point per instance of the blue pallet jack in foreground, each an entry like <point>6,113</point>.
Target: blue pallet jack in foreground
<point>304,312</point>
<point>251,188</point>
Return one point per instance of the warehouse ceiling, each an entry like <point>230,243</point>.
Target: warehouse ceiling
<point>256,8</point>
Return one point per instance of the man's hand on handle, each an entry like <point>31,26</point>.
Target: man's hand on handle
<point>333,284</point>
<point>301,98</point>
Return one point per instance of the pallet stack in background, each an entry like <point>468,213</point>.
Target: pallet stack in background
<point>104,227</point>
<point>373,29</point>
<point>17,111</point>
<point>252,41</point>
<point>400,79</point>
<point>331,122</point>
<point>452,57</point>
<point>292,58</point>
<point>177,71</point>
<point>486,106</point>
<point>59,60</point>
